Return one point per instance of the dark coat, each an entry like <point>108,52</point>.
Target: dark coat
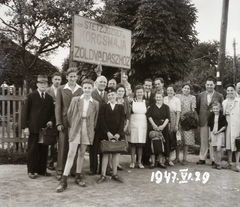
<point>151,99</point>
<point>221,121</point>
<point>112,120</point>
<point>37,112</point>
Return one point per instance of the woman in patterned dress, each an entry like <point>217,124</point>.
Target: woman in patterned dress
<point>188,104</point>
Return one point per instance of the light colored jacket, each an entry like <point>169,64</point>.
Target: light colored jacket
<point>74,116</point>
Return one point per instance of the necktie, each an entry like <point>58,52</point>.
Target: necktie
<point>102,94</point>
<point>42,95</point>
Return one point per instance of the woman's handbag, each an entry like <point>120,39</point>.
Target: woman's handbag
<point>47,136</point>
<point>237,143</point>
<point>157,141</point>
<point>113,146</point>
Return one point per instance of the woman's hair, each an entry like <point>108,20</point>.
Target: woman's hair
<point>230,85</point>
<point>173,87</point>
<point>187,84</point>
<point>158,93</point>
<point>88,81</point>
<point>137,87</point>
<point>120,85</point>
<point>216,103</point>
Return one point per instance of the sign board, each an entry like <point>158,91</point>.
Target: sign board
<point>99,43</point>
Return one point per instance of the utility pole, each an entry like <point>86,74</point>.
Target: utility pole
<point>222,47</point>
<point>234,62</point>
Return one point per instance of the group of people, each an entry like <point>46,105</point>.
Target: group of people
<point>104,110</point>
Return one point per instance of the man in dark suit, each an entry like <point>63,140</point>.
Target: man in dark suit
<point>148,94</point>
<point>52,91</point>
<point>204,103</point>
<point>99,94</point>
<point>38,112</point>
<point>65,93</point>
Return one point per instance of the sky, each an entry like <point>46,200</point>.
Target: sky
<point>208,27</point>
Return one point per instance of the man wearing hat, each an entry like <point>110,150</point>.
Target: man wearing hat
<point>38,112</point>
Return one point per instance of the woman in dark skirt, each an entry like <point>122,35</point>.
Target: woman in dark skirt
<point>159,116</point>
<point>112,119</point>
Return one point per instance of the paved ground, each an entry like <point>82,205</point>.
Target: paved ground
<point>203,186</point>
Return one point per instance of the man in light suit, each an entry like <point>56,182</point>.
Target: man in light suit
<point>99,94</point>
<point>65,93</point>
<point>204,103</point>
<point>52,91</point>
<point>38,112</point>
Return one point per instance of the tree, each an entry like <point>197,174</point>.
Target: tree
<point>163,35</point>
<point>40,27</point>
<point>203,62</point>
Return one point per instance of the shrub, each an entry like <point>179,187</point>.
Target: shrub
<point>11,157</point>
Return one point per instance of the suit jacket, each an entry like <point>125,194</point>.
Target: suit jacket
<point>151,99</point>
<point>203,109</point>
<point>98,98</point>
<point>37,112</point>
<point>74,116</point>
<point>112,120</point>
<point>63,100</point>
<point>50,91</point>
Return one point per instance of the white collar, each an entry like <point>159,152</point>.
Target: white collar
<point>41,92</point>
<point>99,92</point>
<point>68,87</point>
<point>82,97</point>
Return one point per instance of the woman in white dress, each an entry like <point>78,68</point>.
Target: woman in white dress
<point>231,109</point>
<point>138,126</point>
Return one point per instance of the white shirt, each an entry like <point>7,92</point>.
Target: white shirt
<point>40,93</point>
<point>68,87</point>
<point>85,105</point>
<point>209,97</point>
<point>112,105</point>
<point>54,90</point>
<point>174,103</point>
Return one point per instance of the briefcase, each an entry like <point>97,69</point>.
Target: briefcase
<point>47,136</point>
<point>113,146</point>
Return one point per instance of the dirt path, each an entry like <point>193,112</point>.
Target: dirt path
<point>222,188</point>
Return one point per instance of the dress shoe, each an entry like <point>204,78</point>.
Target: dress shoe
<point>32,176</point>
<point>119,168</point>
<point>184,162</point>
<point>201,162</point>
<point>92,173</point>
<point>152,165</point>
<point>176,161</point>
<point>62,185</point>
<point>79,181</point>
<point>161,165</point>
<point>237,168</point>
<point>213,163</point>
<point>117,178</point>
<point>51,168</point>
<point>101,179</point>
